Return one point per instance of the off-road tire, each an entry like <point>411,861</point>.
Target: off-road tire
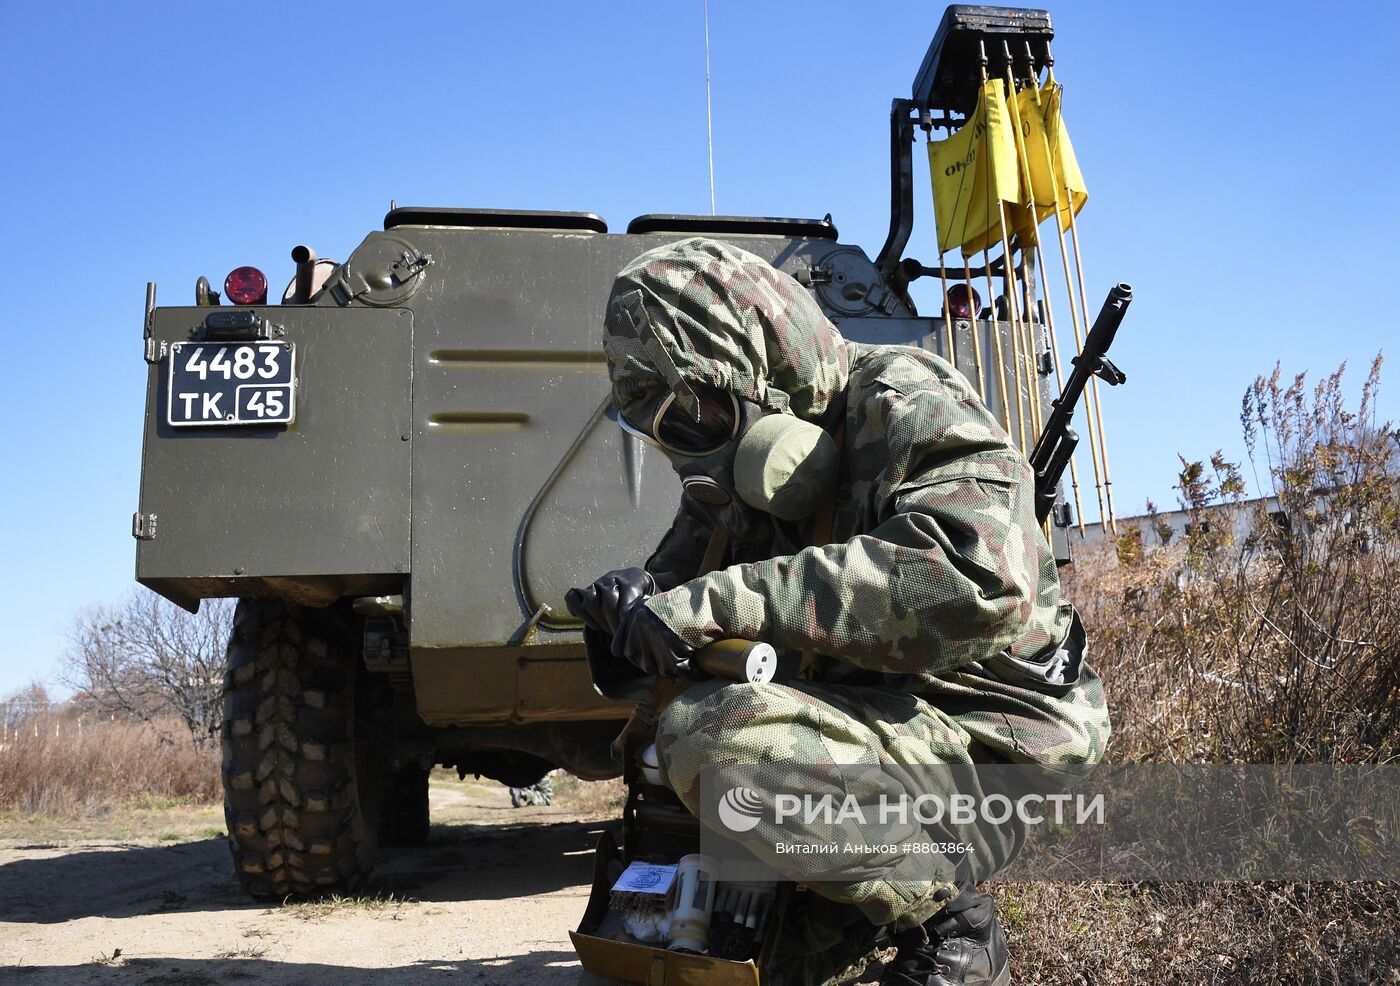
<point>301,819</point>
<point>405,818</point>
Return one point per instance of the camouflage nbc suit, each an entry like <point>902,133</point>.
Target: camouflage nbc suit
<point>935,608</point>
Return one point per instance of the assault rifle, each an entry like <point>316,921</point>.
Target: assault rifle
<point>1056,443</point>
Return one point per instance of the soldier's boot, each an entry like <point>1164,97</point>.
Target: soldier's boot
<point>965,947</point>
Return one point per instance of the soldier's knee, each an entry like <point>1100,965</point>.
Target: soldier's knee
<point>702,725</point>
<point>682,710</point>
<point>689,713</point>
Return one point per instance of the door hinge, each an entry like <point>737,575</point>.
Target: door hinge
<point>154,353</point>
<point>143,526</point>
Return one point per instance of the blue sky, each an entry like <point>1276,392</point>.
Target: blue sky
<point>1240,159</point>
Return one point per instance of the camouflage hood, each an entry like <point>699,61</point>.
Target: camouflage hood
<point>702,312</point>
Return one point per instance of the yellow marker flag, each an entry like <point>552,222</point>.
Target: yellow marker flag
<point>974,171</point>
<point>951,165</point>
<point>1020,215</point>
<point>1070,190</point>
<point>1037,171</point>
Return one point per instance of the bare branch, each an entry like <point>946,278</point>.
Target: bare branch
<point>146,658</point>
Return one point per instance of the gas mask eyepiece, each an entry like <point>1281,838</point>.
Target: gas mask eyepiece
<point>779,464</point>
<point>678,432</point>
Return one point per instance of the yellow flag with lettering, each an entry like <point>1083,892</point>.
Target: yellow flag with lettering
<point>974,172</point>
<point>1070,190</point>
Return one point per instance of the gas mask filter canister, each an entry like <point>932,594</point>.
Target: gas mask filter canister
<point>785,466</point>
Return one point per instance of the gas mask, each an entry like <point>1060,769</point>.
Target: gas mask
<point>734,453</point>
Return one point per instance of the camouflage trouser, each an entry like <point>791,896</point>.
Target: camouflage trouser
<point>808,724</point>
<point>539,793</point>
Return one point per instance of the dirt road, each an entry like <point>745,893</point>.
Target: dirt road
<point>490,899</point>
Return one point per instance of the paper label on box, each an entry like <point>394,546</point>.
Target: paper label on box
<point>645,878</point>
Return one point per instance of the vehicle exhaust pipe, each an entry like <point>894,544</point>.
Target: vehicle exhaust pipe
<point>305,259</point>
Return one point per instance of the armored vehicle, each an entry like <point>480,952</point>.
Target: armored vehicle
<point>401,467</point>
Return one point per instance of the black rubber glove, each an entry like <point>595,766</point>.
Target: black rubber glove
<point>644,640</point>
<point>602,604</point>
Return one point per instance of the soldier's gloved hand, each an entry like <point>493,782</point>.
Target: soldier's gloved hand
<point>602,604</point>
<point>644,639</point>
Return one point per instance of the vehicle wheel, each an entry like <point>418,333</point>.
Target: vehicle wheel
<point>405,819</point>
<point>300,794</point>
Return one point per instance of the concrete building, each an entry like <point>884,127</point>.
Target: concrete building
<point>1239,516</point>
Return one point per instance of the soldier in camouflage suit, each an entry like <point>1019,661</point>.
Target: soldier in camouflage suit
<point>933,606</point>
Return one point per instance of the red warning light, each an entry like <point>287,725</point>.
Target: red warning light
<point>246,286</point>
<point>964,301</point>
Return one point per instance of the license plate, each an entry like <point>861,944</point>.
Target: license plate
<point>231,383</point>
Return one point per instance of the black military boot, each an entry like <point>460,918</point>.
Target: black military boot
<point>965,947</point>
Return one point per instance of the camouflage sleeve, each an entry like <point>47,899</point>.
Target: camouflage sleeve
<point>951,575</point>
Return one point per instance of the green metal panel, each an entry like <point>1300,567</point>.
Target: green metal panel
<point>520,488</point>
<point>308,509</point>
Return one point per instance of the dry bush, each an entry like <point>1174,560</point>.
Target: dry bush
<point>60,765</point>
<point>590,797</point>
<point>1275,639</point>
<point>1277,934</point>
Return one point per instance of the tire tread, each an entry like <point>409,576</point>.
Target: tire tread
<point>294,820</point>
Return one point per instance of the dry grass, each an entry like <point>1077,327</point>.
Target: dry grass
<point>1278,642</point>
<point>1274,933</point>
<point>1278,645</point>
<point>590,797</point>
<point>54,766</point>
<point>157,821</point>
<point>387,905</point>
<point>247,952</point>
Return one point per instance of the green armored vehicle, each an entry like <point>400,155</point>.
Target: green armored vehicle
<point>402,467</point>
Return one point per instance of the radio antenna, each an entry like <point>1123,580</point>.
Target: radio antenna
<point>709,119</point>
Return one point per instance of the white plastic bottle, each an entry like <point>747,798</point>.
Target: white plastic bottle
<point>693,896</point>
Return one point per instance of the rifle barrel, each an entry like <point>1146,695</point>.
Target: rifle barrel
<point>1056,443</point>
